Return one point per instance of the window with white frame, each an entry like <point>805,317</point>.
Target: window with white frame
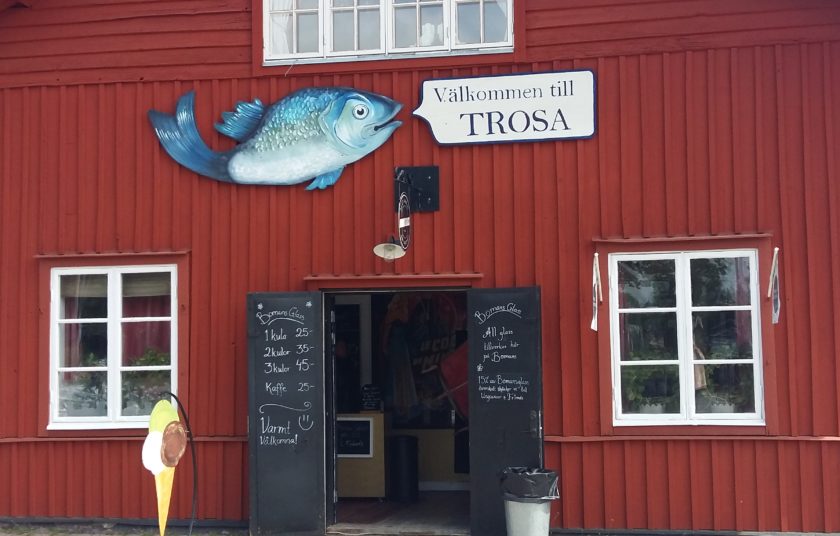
<point>685,339</point>
<point>371,29</point>
<point>113,344</point>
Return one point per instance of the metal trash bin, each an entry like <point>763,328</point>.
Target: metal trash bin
<point>402,479</point>
<point>528,493</point>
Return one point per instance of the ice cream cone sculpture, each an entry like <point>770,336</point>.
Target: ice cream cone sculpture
<point>162,449</point>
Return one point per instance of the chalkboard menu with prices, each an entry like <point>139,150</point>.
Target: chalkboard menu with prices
<point>286,413</point>
<point>505,381</point>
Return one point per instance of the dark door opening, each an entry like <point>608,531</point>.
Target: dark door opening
<point>400,441</point>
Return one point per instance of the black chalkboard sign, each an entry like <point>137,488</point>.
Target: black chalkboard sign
<point>354,437</point>
<point>371,398</point>
<point>286,413</point>
<point>505,396</point>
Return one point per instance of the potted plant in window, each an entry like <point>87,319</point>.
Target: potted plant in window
<point>726,389</point>
<point>143,388</point>
<point>715,401</point>
<point>91,393</point>
<point>645,390</point>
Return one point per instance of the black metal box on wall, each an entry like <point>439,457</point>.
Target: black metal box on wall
<point>422,183</point>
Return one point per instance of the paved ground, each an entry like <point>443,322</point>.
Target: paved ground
<point>108,529</point>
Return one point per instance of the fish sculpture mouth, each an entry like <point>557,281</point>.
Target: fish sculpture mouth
<point>387,123</point>
<point>394,124</point>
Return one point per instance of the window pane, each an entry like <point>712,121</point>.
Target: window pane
<point>724,388</point>
<point>343,31</point>
<point>307,38</point>
<point>646,284</point>
<point>368,2</point>
<point>83,345</point>
<point>84,296</point>
<point>369,33</point>
<point>405,27</point>
<point>431,26</point>
<point>281,34</point>
<point>342,3</point>
<point>469,20</point>
<point>280,5</point>
<point>723,335</point>
<point>142,390</point>
<point>146,344</point>
<point>307,4</point>
<point>648,336</point>
<point>721,281</point>
<point>146,294</point>
<point>82,394</point>
<point>650,389</point>
<point>495,21</point>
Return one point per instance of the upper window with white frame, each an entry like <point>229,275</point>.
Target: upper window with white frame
<point>685,338</point>
<point>331,30</point>
<point>113,344</point>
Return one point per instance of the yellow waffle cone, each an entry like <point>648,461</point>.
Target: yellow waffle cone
<point>163,488</point>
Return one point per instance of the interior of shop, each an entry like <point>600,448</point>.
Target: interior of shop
<point>402,417</point>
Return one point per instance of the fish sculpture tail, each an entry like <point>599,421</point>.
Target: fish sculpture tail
<point>180,138</point>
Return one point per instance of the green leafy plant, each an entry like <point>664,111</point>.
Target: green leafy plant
<point>150,358</point>
<point>647,386</point>
<point>142,388</point>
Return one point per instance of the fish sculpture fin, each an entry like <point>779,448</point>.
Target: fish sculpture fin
<point>178,134</point>
<point>325,179</point>
<point>241,123</point>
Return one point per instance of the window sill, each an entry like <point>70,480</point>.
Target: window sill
<point>689,430</point>
<point>79,426</point>
<point>270,62</point>
<point>380,64</point>
<point>664,422</point>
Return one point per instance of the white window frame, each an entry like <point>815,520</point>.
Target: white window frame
<point>113,367</point>
<point>327,32</point>
<point>685,336</point>
<point>387,37</point>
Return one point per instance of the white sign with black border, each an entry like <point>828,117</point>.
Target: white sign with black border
<point>509,108</point>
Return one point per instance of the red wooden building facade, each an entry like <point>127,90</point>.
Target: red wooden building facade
<point>716,125</point>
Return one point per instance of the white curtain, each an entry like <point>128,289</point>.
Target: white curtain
<point>281,29</point>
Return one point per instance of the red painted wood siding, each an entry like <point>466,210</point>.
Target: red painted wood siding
<point>58,42</point>
<point>738,139</point>
<point>88,41</point>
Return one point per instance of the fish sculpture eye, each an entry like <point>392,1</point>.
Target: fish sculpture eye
<point>360,111</point>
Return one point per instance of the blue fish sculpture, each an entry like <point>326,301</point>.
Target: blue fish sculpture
<point>310,134</point>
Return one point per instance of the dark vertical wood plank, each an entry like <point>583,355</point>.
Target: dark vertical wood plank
<point>571,482</point>
<point>679,485</point>
<point>745,476</point>
<point>609,146</point>
<point>816,210</point>
<point>656,477</point>
<point>831,80</point>
<point>811,461</point>
<point>697,137</point>
<point>793,247</point>
<point>652,129</point>
<point>631,146</point>
<point>674,154</point>
<point>636,485</point>
<point>702,496</point>
<point>721,206</point>
<point>615,512</point>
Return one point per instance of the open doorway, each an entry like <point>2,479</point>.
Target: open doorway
<point>400,447</point>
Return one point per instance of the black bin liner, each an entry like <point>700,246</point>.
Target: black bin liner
<point>529,484</point>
